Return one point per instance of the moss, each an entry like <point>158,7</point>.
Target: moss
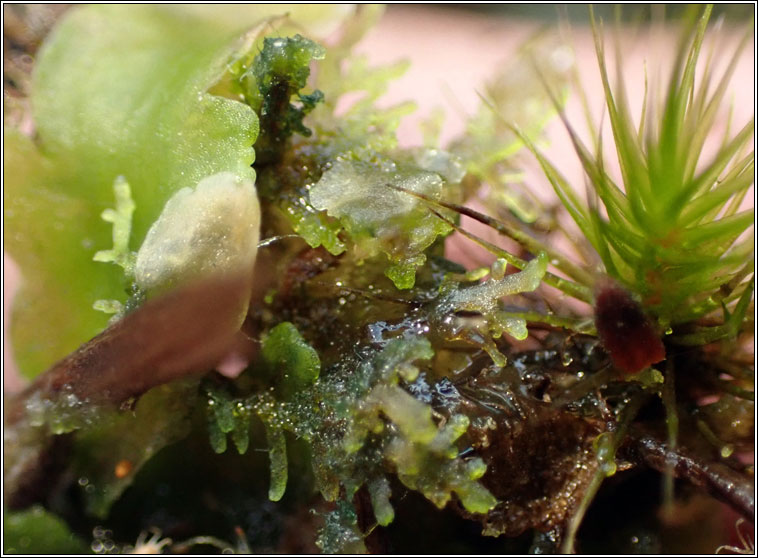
<point>375,366</point>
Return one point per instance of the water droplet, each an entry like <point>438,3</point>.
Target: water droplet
<point>609,468</point>
<point>498,269</point>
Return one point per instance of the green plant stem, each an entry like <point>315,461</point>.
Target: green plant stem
<point>557,321</point>
<point>531,244</point>
<point>728,329</point>
<point>586,385</point>
<point>630,412</point>
<point>725,449</point>
<point>668,396</point>
<point>576,519</point>
<point>737,391</point>
<point>569,287</point>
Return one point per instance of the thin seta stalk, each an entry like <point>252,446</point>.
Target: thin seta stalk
<point>608,444</point>
<point>578,290</point>
<point>668,397</point>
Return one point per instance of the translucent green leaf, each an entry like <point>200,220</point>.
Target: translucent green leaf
<point>53,235</point>
<point>412,417</point>
<point>118,92</point>
<point>293,360</point>
<point>277,454</point>
<point>340,533</point>
<point>435,470</point>
<point>378,217</point>
<point>317,229</point>
<point>241,431</point>
<point>213,226</point>
<point>227,416</point>
<point>125,88</point>
<point>105,468</point>
<point>380,492</point>
<point>216,436</point>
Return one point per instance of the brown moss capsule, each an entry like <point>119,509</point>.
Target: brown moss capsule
<point>625,331</point>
